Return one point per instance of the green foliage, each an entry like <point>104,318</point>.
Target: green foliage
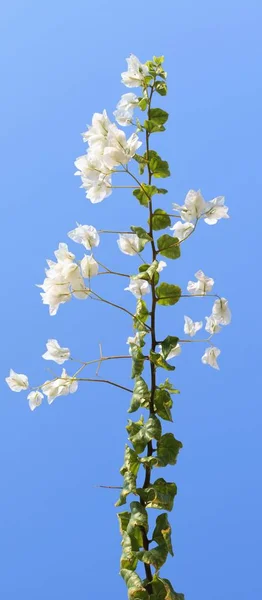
<point>158,116</point>
<point>163,404</point>
<point>159,361</point>
<point>147,431</point>
<point>131,462</point>
<point>163,590</point>
<point>168,294</point>
<point>144,237</point>
<point>138,360</point>
<point>160,219</point>
<point>129,487</point>
<point>129,556</point>
<point>169,246</point>
<point>136,590</point>
<point>143,103</point>
<point>158,167</point>
<point>156,557</point>
<point>141,395</point>
<point>145,193</point>
<point>168,344</point>
<point>161,88</point>
<point>167,449</point>
<point>123,519</point>
<point>167,385</point>
<point>162,532</point>
<point>138,517</point>
<point>147,272</point>
<point>159,495</point>
<point>141,315</point>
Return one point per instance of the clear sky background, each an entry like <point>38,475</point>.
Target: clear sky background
<point>60,62</point>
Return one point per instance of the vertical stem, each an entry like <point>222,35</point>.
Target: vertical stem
<point>153,345</point>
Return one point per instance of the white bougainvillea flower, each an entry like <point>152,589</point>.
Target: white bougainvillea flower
<point>120,150</point>
<point>221,312</point>
<point>62,386</point>
<point>212,325</point>
<point>125,109</point>
<point>86,235</point>
<point>138,287</point>
<point>97,191</point>
<point>161,265</point>
<point>203,284</point>
<point>182,230</point>
<point>96,135</point>
<point>210,357</point>
<point>216,210</point>
<point>55,352</point>
<point>35,399</point>
<point>193,208</point>
<point>91,166</point>
<point>17,381</point>
<point>62,254</point>
<point>192,327</point>
<point>174,352</point>
<point>55,295</point>
<point>136,73</point>
<point>89,266</point>
<point>129,243</point>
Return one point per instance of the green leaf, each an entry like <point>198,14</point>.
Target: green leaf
<point>138,518</point>
<point>123,519</point>
<point>160,219</point>
<point>163,404</point>
<point>141,395</point>
<point>131,462</point>
<point>136,590</point>
<point>161,586</point>
<point>158,360</point>
<point>169,343</point>
<point>167,449</point>
<point>168,294</point>
<point>169,246</point>
<point>159,495</point>
<point>167,385</point>
<point>142,234</point>
<point>162,532</point>
<point>144,193</point>
<point>158,116</point>
<point>141,315</point>
<point>152,127</point>
<point>148,431</point>
<point>161,88</point>
<point>138,360</point>
<point>148,272</point>
<point>156,557</point>
<point>158,167</point>
<point>158,59</point>
<point>129,556</point>
<point>129,487</point>
<point>143,103</point>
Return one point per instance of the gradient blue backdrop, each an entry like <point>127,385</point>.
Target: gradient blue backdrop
<point>60,62</point>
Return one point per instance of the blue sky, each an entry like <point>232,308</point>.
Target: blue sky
<point>60,62</point>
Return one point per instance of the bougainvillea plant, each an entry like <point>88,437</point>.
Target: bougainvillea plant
<point>149,446</point>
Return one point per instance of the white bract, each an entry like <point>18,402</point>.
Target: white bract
<point>136,73</point>
<point>210,357</point>
<point>55,352</point>
<point>200,287</point>
<point>192,327</point>
<point>62,280</point>
<point>125,108</point>
<point>120,150</point>
<point>138,287</point>
<point>35,399</point>
<point>212,325</point>
<point>221,312</point>
<point>96,135</point>
<point>136,340</point>
<point>129,243</point>
<point>17,381</point>
<point>182,230</point>
<point>216,210</point>
<point>161,265</point>
<point>89,266</point>
<point>62,386</point>
<point>86,235</point>
<point>195,207</point>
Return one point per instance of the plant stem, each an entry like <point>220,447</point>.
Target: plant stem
<point>122,387</point>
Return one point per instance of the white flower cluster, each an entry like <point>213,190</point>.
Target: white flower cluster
<point>60,386</point>
<point>195,208</point>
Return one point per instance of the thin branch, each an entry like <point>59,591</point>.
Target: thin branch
<point>122,387</point>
